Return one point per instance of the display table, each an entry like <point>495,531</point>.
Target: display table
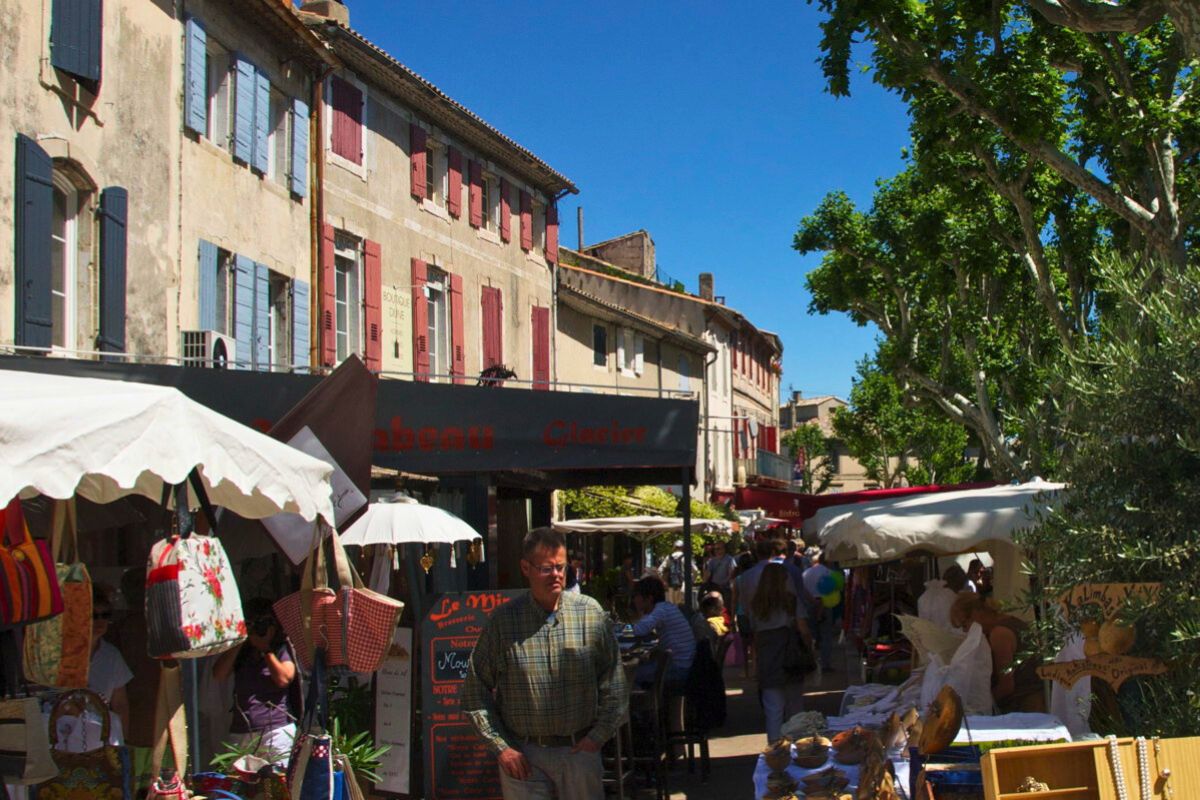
<point>1003,727</point>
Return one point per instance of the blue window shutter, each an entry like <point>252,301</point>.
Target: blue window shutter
<point>300,325</point>
<point>243,310</point>
<point>75,37</point>
<point>243,119</point>
<point>262,121</point>
<point>114,216</point>
<point>195,90</point>
<point>262,315</point>
<point>298,178</point>
<point>208,286</point>
<point>34,213</point>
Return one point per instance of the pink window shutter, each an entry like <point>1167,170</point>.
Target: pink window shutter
<point>526,221</point>
<point>328,328</point>
<point>541,347</point>
<point>420,316</point>
<point>505,212</point>
<point>552,233</point>
<point>476,196</point>
<point>458,355</point>
<point>346,138</point>
<point>373,303</point>
<point>416,136</point>
<point>454,166</point>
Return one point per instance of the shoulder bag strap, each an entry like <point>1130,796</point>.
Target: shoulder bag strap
<point>202,496</point>
<point>63,528</point>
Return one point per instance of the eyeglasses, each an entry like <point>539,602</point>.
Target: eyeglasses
<point>547,570</point>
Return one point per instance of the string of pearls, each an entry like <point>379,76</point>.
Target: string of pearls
<point>1143,769</point>
<point>1114,758</point>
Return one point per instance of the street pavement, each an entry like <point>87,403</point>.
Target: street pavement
<point>734,748</point>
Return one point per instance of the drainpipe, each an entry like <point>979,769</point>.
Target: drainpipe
<point>708,474</point>
<point>316,152</point>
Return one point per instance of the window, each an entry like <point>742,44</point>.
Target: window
<point>346,137</point>
<point>600,345</point>
<point>279,328</point>
<point>64,251</point>
<point>629,351</point>
<point>348,295</point>
<point>220,95</point>
<point>539,227</point>
<point>75,38</point>
<point>435,174</point>
<point>490,203</point>
<point>280,137</point>
<point>225,292</point>
<point>685,369</point>
<point>437,291</point>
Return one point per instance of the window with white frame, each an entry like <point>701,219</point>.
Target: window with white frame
<point>629,351</point>
<point>437,293</point>
<point>685,371</point>
<point>490,203</point>
<point>220,95</point>
<point>435,173</point>
<point>600,345</point>
<point>279,327</point>
<point>539,227</point>
<point>280,137</point>
<point>348,294</point>
<point>225,273</point>
<point>64,256</point>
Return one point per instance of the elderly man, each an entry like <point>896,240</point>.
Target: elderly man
<point>544,685</point>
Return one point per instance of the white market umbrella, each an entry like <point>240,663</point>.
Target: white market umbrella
<point>105,439</point>
<point>405,521</point>
<point>643,528</point>
<point>942,524</point>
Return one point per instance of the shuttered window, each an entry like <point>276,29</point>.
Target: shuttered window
<point>346,133</point>
<point>76,36</point>
<point>372,304</point>
<point>243,110</point>
<point>34,214</point>
<point>114,216</point>
<point>526,221</point>
<point>505,211</point>
<point>552,233</point>
<point>420,319</point>
<point>262,122</point>
<point>493,326</point>
<point>243,309</point>
<point>195,77</point>
<point>417,155</point>
<point>541,347</point>
<point>298,177</point>
<point>454,163</point>
<point>476,194</point>
<point>301,321</point>
<point>458,363</point>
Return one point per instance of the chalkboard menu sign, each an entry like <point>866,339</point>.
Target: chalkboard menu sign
<point>457,765</point>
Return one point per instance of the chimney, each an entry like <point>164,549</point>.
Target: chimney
<point>330,9</point>
<point>706,286</point>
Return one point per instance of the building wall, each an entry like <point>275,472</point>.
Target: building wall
<point>720,407</point>
<point>849,475</point>
<point>125,135</point>
<point>374,201</point>
<point>225,201</point>
<point>634,253</point>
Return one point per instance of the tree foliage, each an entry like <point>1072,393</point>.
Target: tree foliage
<point>1132,511</point>
<point>813,449</point>
<point>895,441</point>
<point>595,502</point>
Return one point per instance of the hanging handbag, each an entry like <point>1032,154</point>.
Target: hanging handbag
<point>170,726</point>
<point>24,744</point>
<point>193,608</point>
<point>58,650</point>
<point>354,624</point>
<point>310,774</point>
<point>28,582</point>
<point>105,773</point>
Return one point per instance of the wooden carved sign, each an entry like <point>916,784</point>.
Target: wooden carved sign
<point>1105,644</point>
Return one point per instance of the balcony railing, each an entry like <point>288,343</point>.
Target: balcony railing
<point>766,464</point>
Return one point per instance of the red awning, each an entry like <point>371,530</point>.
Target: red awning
<point>794,507</point>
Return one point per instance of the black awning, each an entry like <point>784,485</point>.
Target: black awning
<point>444,429</point>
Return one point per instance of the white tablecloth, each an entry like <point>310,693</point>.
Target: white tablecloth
<point>1028,727</point>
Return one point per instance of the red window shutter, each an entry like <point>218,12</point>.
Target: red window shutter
<point>328,331</point>
<point>346,136</point>
<point>493,327</point>
<point>416,135</point>
<point>737,441</point>
<point>476,197</point>
<point>505,212</point>
<point>420,316</point>
<point>552,233</point>
<point>541,348</point>
<point>454,201</point>
<point>458,355</point>
<point>373,303</point>
<point>526,221</point>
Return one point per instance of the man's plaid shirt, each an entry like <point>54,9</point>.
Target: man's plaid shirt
<point>533,673</point>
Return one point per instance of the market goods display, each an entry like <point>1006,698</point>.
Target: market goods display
<point>778,755</point>
<point>831,779</point>
<point>804,724</point>
<point>105,773</point>
<point>851,747</point>
<point>942,721</point>
<point>29,589</point>
<point>811,752</point>
<point>24,743</point>
<point>780,784</point>
<point>57,651</point>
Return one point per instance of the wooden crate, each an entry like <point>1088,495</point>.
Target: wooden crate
<point>1081,770</point>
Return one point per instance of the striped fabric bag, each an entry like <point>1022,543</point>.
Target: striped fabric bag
<point>24,743</point>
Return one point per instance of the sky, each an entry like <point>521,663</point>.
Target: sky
<point>706,123</point>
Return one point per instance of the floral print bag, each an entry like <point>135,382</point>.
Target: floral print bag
<point>192,604</point>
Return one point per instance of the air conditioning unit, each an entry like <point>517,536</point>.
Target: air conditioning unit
<point>208,349</point>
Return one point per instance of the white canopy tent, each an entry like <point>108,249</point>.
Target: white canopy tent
<point>105,439</point>
<point>644,528</point>
<point>941,524</point>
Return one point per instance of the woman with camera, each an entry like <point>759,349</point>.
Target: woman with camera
<point>263,674</point>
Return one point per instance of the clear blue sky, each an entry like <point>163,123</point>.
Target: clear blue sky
<point>706,123</point>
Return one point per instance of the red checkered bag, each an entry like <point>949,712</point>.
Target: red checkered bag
<point>354,624</point>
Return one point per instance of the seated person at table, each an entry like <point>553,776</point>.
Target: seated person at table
<point>1015,687</point>
<point>709,625</point>
<point>674,633</point>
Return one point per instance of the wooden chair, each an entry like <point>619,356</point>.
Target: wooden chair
<point>694,736</point>
<point>648,751</point>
